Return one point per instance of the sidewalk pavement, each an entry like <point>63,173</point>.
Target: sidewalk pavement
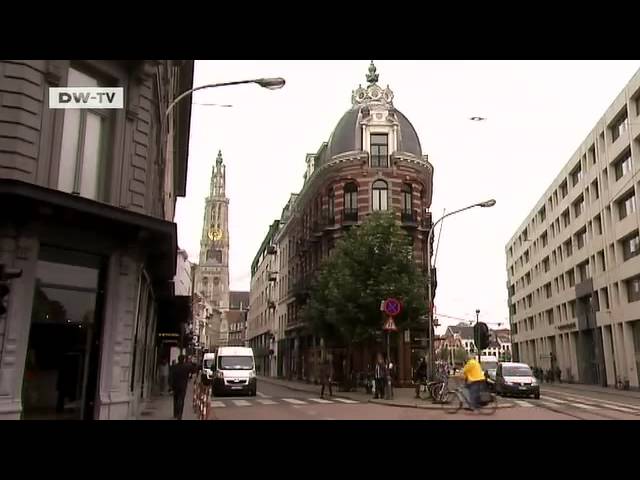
<point>402,397</point>
<point>161,407</point>
<point>594,389</point>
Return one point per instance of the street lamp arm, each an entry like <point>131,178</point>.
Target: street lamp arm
<point>202,87</point>
<point>488,203</point>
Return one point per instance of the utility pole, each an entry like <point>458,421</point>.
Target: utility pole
<point>478,334</point>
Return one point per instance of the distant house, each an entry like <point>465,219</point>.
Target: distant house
<point>461,335</point>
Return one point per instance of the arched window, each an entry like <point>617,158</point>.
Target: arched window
<point>379,192</point>
<point>407,198</point>
<point>351,201</point>
<point>331,206</point>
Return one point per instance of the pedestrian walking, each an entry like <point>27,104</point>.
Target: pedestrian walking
<point>326,377</point>
<point>558,374</point>
<point>163,375</point>
<point>380,376</point>
<point>390,377</point>
<point>179,379</point>
<point>420,375</point>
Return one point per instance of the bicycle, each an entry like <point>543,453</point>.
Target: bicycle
<point>437,390</point>
<point>456,399</point>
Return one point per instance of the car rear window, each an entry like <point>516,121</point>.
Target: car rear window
<point>516,371</point>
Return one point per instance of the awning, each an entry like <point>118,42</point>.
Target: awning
<point>104,225</point>
<point>172,314</point>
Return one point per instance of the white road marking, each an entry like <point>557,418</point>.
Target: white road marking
<point>595,400</point>
<point>582,405</point>
<point>592,407</point>
<point>241,403</point>
<point>320,400</point>
<point>548,404</point>
<point>523,403</point>
<point>294,401</point>
<point>218,404</point>
<point>267,402</point>
<point>345,400</point>
<point>260,394</point>
<point>621,409</point>
<point>555,400</point>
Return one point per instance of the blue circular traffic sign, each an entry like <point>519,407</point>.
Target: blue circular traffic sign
<point>391,307</point>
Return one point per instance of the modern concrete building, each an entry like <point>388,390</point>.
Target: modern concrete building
<point>88,198</point>
<point>373,161</point>
<point>573,266</point>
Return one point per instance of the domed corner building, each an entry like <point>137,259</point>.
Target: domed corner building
<point>372,161</point>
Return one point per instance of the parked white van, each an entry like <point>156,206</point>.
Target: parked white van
<point>235,371</point>
<point>208,366</point>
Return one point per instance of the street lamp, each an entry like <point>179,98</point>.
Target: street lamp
<point>268,83</point>
<point>485,204</point>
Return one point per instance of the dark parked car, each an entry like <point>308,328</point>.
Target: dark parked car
<point>516,379</point>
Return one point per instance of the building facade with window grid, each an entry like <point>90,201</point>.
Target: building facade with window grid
<point>573,266</point>
<point>372,161</point>
<point>92,195</point>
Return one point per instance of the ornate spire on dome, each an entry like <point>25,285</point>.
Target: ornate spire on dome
<point>219,158</point>
<point>373,93</point>
<point>372,76</point>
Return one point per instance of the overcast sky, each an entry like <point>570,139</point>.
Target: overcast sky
<point>538,113</point>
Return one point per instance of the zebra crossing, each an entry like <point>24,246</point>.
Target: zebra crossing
<point>570,401</point>
<point>266,400</point>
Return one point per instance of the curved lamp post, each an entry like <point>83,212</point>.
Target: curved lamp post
<point>485,204</point>
<point>268,83</point>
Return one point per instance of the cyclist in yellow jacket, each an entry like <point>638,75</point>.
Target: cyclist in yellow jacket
<point>475,382</point>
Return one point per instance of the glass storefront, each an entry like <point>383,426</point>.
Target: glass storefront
<point>62,357</point>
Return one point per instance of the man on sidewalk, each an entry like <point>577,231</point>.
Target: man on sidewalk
<point>325,377</point>
<point>380,376</point>
<point>178,380</point>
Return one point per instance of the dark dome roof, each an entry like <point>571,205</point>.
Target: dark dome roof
<point>346,136</point>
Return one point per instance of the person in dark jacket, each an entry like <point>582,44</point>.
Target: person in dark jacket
<point>380,376</point>
<point>325,377</point>
<point>179,375</point>
<point>420,375</point>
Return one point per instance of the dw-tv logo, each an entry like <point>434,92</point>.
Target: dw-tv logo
<point>86,97</point>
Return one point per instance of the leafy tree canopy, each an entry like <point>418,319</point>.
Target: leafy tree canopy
<point>370,263</point>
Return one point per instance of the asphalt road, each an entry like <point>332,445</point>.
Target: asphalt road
<point>280,403</point>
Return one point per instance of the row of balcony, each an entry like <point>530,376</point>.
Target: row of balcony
<point>351,216</point>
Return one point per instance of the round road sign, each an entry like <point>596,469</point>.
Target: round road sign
<point>392,307</point>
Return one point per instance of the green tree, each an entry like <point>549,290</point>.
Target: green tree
<point>460,356</point>
<point>372,262</point>
<point>444,354</point>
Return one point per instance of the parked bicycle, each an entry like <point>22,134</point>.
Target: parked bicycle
<point>457,399</point>
<point>436,390</point>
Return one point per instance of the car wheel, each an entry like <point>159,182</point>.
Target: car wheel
<point>537,396</point>
<point>253,393</point>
